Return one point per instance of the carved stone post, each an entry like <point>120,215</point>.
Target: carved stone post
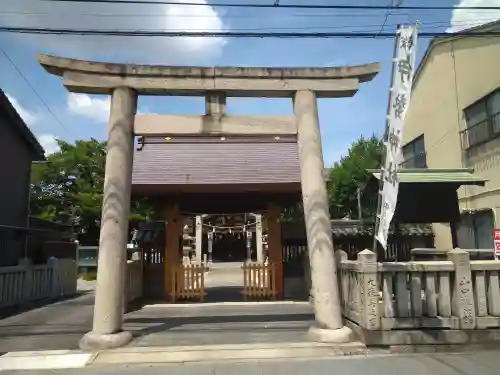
<point>462,292</point>
<point>210,236</point>
<point>329,323</point>
<point>249,245</point>
<point>108,309</point>
<point>258,238</point>
<point>199,236</point>
<point>56,282</point>
<point>368,290</point>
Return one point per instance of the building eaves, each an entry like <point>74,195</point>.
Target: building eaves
<point>462,176</point>
<point>490,26</point>
<point>14,119</point>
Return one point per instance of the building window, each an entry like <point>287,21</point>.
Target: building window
<point>414,154</point>
<point>476,230</point>
<point>483,121</point>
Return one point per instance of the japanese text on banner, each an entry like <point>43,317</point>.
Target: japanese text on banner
<point>399,101</point>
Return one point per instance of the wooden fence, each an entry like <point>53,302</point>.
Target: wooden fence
<point>188,282</point>
<point>23,284</point>
<point>259,281</point>
<point>389,297</point>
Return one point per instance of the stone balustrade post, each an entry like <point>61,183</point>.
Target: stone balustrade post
<point>249,245</point>
<point>28,278</point>
<point>127,287</point>
<point>462,301</point>
<point>368,290</point>
<point>210,236</point>
<point>199,238</point>
<point>258,238</point>
<point>55,286</point>
<point>340,256</point>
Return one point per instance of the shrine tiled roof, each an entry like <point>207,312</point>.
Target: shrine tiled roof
<point>216,160</point>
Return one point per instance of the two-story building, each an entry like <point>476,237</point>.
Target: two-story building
<point>454,122</point>
<point>18,149</point>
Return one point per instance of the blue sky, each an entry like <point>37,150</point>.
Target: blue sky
<point>81,116</point>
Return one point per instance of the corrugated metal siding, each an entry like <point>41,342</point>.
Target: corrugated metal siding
<point>212,161</point>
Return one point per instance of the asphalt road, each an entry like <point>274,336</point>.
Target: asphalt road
<point>479,363</point>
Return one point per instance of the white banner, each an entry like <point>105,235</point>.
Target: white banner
<point>404,65</point>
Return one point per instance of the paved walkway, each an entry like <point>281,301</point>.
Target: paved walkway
<point>218,324</point>
<point>479,363</point>
<point>56,326</point>
<point>224,282</point>
<point>61,325</point>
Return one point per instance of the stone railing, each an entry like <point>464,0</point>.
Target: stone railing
<point>26,283</point>
<point>396,302</point>
<point>133,284</point>
<point>67,275</point>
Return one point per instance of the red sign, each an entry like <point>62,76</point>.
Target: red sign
<point>496,242</point>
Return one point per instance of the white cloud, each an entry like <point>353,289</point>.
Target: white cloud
<point>158,50</point>
<point>29,117</point>
<point>466,18</point>
<point>49,143</point>
<point>96,108</point>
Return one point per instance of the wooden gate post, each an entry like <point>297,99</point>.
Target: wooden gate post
<point>275,246</point>
<point>173,227</point>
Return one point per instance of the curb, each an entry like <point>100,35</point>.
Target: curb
<point>66,359</point>
<point>45,360</point>
<point>219,304</point>
<point>214,353</point>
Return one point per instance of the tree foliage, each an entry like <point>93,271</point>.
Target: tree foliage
<point>347,175</point>
<point>294,213</point>
<point>69,188</point>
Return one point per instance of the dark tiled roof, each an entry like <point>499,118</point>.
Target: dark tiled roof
<point>210,160</point>
<point>15,120</point>
<point>342,228</point>
<point>345,228</point>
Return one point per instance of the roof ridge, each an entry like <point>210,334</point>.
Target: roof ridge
<point>16,120</point>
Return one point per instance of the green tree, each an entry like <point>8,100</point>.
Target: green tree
<point>69,187</point>
<point>347,175</point>
<point>293,213</point>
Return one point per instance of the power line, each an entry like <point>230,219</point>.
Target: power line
<point>372,13</point>
<point>264,28</point>
<point>389,12</point>
<point>283,6</point>
<point>232,34</point>
<point>384,25</point>
<point>360,28</point>
<point>187,15</point>
<point>33,89</point>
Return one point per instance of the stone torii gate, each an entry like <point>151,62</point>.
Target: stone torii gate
<point>125,82</point>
